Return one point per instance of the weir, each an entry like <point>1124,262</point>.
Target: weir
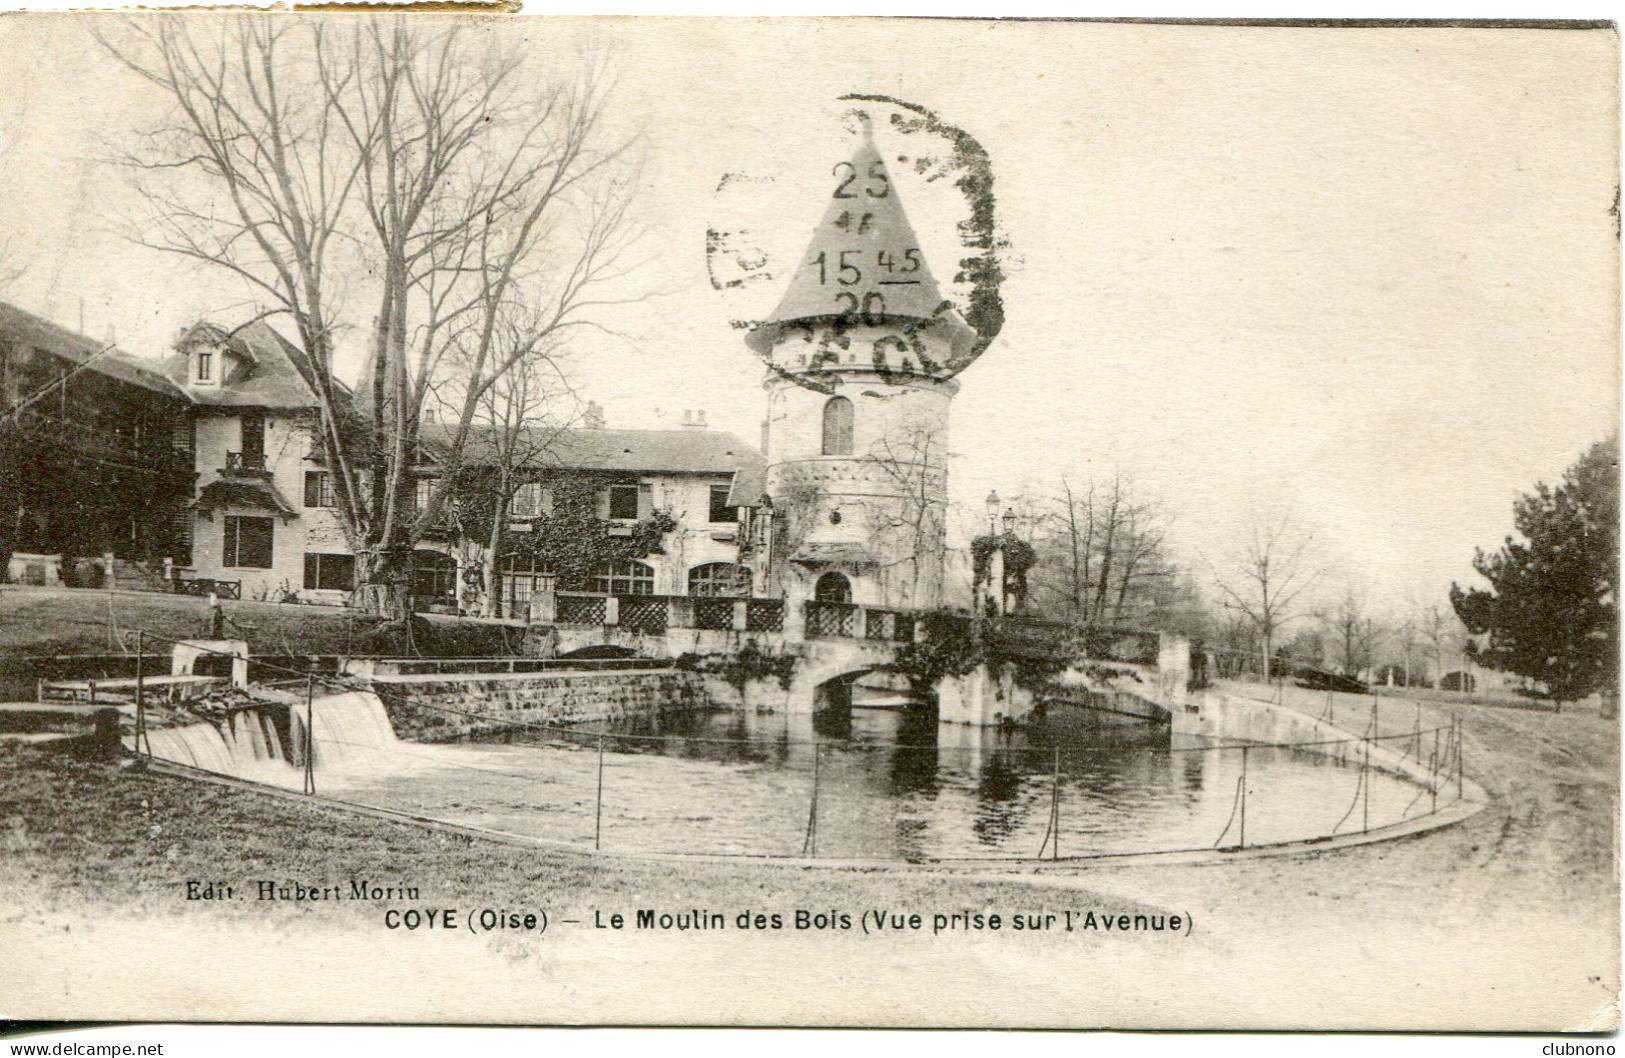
<point>266,742</point>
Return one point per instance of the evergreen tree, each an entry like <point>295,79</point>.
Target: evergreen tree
<point>1552,613</point>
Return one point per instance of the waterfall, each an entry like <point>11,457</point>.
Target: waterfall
<point>252,730</point>
<point>199,745</point>
<point>349,728</point>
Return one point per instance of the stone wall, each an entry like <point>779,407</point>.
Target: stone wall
<point>1233,718</point>
<point>540,698</point>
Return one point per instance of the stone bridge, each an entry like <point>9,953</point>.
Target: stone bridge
<point>1135,673</point>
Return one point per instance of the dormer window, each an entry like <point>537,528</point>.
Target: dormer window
<point>205,366</point>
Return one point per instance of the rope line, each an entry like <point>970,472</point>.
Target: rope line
<point>1234,805</point>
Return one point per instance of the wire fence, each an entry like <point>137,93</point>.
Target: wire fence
<point>685,788</point>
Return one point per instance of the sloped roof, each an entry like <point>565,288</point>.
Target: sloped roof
<point>749,484</point>
<point>278,375</point>
<point>251,492</point>
<point>863,261</point>
<point>25,328</point>
<point>834,554</point>
<point>659,451</point>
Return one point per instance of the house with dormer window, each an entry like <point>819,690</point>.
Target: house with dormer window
<point>264,521</point>
<point>229,492</point>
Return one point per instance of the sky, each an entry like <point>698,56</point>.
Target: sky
<point>1369,276</point>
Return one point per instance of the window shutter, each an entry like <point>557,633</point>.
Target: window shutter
<point>312,562</point>
<point>313,498</point>
<point>183,537</point>
<point>646,499</point>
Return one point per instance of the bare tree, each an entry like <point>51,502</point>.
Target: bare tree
<point>404,156</point>
<point>515,423</point>
<point>1440,631</point>
<point>1356,631</point>
<point>1266,579</point>
<point>912,521</point>
<point>1104,554</point>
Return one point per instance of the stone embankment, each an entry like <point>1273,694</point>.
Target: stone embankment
<point>445,707</point>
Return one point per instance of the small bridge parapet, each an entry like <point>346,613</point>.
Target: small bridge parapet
<point>836,643</point>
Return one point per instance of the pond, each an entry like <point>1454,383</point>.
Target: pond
<point>862,785</point>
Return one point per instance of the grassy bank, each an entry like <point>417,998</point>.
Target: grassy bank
<point>37,622</point>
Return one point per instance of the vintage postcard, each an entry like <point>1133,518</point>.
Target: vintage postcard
<point>809,522</point>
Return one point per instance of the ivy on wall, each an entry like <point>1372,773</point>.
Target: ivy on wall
<point>572,537</point>
<point>750,662</point>
<point>942,646</point>
<point>1019,558</point>
<point>948,645</point>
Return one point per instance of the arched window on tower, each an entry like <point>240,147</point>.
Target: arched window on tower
<point>838,427</point>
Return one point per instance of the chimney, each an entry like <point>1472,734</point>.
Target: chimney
<point>593,417</point>
<point>694,420</point>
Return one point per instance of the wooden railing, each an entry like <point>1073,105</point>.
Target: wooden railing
<point>715,615</point>
<point>764,615</point>
<point>245,462</point>
<point>657,614</point>
<point>645,613</point>
<point>832,620</point>
<point>583,609</point>
<point>206,586</point>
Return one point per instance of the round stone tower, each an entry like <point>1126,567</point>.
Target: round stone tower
<point>860,354</point>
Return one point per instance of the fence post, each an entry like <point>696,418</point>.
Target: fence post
<point>1055,808</point>
<point>1433,772</point>
<point>598,809</point>
<point>141,694</point>
<point>809,846</point>
<point>310,734</point>
<point>1461,770</point>
<point>1243,797</point>
<point>1365,812</point>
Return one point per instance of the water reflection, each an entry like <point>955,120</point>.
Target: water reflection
<point>889,784</point>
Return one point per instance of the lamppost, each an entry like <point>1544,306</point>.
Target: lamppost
<point>994,603</point>
<point>1009,521</point>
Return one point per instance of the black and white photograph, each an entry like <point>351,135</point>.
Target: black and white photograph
<point>809,522</point>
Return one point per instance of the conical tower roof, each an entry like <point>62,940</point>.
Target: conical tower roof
<point>864,261</point>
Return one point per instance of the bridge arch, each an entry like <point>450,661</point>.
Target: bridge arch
<point>835,692</point>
